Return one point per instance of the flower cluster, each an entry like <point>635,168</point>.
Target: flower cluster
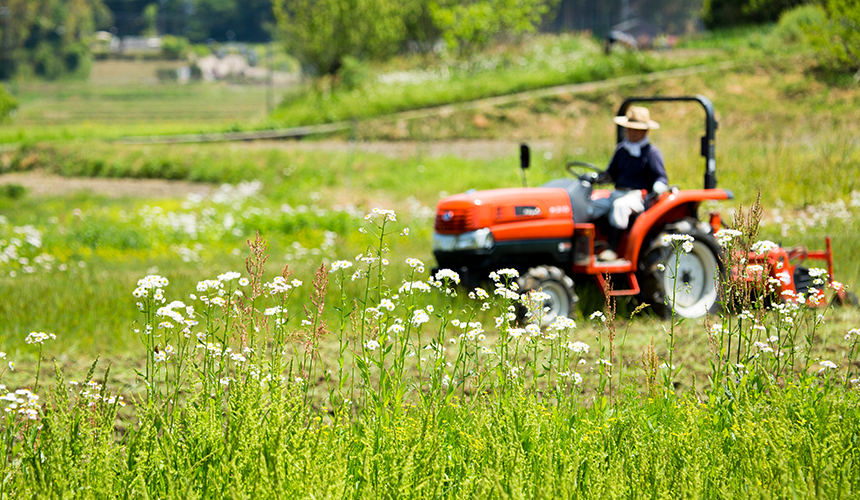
<point>447,274</point>
<point>764,247</point>
<point>151,282</point>
<point>387,215</point>
<point>726,236</point>
<point>39,337</point>
<point>684,241</point>
<point>23,402</point>
<point>279,285</point>
<point>411,286</point>
<point>415,264</point>
<point>21,250</point>
<point>340,264</point>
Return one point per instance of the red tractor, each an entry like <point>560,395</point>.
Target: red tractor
<point>548,235</point>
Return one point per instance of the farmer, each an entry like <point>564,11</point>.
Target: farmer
<point>636,166</point>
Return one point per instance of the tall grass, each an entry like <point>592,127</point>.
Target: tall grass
<point>237,397</point>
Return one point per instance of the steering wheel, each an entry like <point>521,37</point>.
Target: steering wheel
<point>584,165</point>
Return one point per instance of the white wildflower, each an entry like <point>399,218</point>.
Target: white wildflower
<point>371,345</point>
<point>763,247</point>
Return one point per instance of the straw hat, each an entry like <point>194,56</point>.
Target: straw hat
<point>637,117</point>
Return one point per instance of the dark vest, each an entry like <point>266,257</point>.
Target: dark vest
<point>630,172</point>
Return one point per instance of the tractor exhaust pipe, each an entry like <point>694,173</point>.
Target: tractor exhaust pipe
<point>525,160</point>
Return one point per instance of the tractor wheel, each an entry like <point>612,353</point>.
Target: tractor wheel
<point>695,290</point>
<point>557,285</point>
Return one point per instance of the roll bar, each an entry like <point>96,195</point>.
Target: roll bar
<point>707,141</point>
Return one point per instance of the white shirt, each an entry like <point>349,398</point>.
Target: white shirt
<point>635,148</point>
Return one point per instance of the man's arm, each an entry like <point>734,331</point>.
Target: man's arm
<point>609,175</point>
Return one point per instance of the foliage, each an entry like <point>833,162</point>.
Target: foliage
<point>726,13</point>
<point>322,33</point>
<point>49,38</point>
<point>471,26</point>
<point>198,20</point>
<point>150,20</point>
<point>227,20</point>
<point>837,39</point>
<point>12,191</point>
<point>8,104</point>
<point>795,24</point>
<point>353,73</point>
<point>174,47</point>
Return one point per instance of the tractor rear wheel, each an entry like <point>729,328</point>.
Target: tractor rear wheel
<point>558,286</point>
<point>695,290</point>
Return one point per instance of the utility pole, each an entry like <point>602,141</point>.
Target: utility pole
<point>269,77</point>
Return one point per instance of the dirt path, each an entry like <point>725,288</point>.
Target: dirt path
<point>41,184</point>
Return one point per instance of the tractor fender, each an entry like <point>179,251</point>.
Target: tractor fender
<point>670,207</point>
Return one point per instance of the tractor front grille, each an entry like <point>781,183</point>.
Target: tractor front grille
<point>454,221</point>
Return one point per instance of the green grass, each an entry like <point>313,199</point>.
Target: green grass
<point>74,110</point>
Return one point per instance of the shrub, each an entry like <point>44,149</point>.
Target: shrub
<point>837,39</point>
<point>174,47</point>
<point>353,73</point>
<point>12,191</point>
<point>8,104</point>
<point>794,24</point>
<point>726,13</point>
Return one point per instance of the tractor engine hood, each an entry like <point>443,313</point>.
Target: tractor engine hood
<point>510,214</point>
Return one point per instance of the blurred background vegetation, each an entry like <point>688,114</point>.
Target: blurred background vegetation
<point>54,39</point>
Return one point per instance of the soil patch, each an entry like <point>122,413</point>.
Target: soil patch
<point>42,184</point>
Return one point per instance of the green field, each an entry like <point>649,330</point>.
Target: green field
<point>124,98</point>
<point>317,409</point>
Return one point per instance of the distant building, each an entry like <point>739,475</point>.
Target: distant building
<point>662,17</point>
<point>105,43</point>
<point>215,68</point>
<point>136,45</point>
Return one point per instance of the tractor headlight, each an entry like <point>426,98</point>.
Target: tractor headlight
<point>473,240</point>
